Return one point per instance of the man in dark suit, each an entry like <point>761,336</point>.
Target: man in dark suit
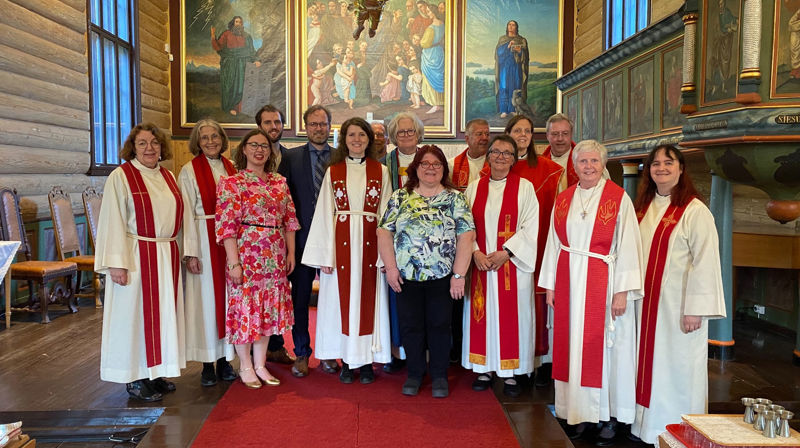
<point>304,167</point>
<point>271,120</point>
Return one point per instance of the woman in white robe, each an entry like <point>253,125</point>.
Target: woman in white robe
<point>690,294</point>
<point>124,351</point>
<point>203,340</point>
<point>614,400</point>
<point>355,150</point>
<point>520,251</point>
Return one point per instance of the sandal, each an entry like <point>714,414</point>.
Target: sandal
<point>267,378</point>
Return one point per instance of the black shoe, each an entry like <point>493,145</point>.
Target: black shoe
<point>346,376</point>
<point>395,366</point>
<point>482,382</point>
<point>607,434</point>
<point>366,374</point>
<point>440,388</point>
<point>575,431</point>
<point>543,375</point>
<point>634,438</point>
<point>141,390</point>
<point>208,378</point>
<point>161,385</point>
<point>411,386</point>
<point>511,389</point>
<point>225,370</point>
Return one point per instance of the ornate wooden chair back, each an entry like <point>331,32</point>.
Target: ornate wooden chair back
<point>91,205</point>
<point>11,218</point>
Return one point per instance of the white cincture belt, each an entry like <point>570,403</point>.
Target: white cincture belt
<point>152,240</point>
<point>609,261</point>
<point>355,212</point>
<point>203,217</point>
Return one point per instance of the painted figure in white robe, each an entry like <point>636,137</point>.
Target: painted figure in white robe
<point>582,393</point>
<point>673,356</point>
<point>205,273</point>
<point>135,348</point>
<point>355,188</point>
<point>518,253</point>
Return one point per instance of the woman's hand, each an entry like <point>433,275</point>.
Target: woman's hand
<point>290,263</point>
<point>550,298</point>
<point>193,265</point>
<point>691,323</point>
<point>393,279</point>
<point>457,287</point>
<point>498,259</point>
<point>618,304</point>
<point>119,276</point>
<point>235,274</point>
<point>481,261</point>
<point>327,270</point>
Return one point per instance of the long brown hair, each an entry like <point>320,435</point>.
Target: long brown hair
<point>531,155</point>
<point>341,152</point>
<point>413,179</point>
<point>681,194</point>
<point>240,161</point>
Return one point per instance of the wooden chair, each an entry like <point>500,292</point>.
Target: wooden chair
<point>68,245</point>
<point>91,205</point>
<point>42,272</point>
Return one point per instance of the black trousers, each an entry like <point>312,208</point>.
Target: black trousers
<point>424,309</point>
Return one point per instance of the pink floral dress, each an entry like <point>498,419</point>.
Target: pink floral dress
<point>257,213</point>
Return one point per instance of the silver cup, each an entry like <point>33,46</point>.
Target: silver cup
<point>783,429</point>
<point>758,421</point>
<point>770,425</point>
<point>763,401</point>
<point>748,409</point>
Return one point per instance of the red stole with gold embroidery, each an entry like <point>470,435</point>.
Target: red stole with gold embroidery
<point>207,186</point>
<point>596,287</point>
<point>506,276</point>
<point>461,171</point>
<point>148,256</point>
<point>653,280</point>
<point>369,269</point>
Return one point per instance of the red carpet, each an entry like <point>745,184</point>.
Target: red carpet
<point>318,410</point>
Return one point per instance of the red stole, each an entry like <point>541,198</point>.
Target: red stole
<point>653,280</point>
<point>369,270</point>
<point>507,279</point>
<point>545,177</point>
<point>148,259</point>
<point>461,171</point>
<point>596,287</point>
<point>208,195</point>
<point>572,176</point>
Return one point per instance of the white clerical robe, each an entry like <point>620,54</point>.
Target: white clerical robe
<point>616,397</point>
<point>475,166</point>
<point>691,286</point>
<point>320,251</point>
<point>123,358</point>
<point>523,246</point>
<point>202,341</point>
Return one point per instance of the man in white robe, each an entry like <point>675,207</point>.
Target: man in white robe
<point>616,396</point>
<point>691,286</point>
<point>521,247</point>
<point>331,342</point>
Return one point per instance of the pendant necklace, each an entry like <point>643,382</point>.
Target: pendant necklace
<point>583,205</point>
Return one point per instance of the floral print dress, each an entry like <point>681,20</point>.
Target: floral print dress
<point>257,213</point>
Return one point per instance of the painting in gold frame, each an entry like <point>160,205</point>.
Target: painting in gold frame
<point>721,29</point>
<point>785,79</point>
<point>406,67</point>
<point>230,76</point>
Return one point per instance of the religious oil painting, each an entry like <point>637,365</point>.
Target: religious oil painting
<point>590,97</point>
<point>233,59</point>
<point>671,79</point>
<point>612,107</point>
<point>640,96</point>
<point>510,60</point>
<point>373,63</point>
<point>786,55</point>
<point>721,25</point>
<point>571,109</point>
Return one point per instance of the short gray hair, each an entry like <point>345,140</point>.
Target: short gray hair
<point>418,126</point>
<point>555,118</point>
<point>589,146</point>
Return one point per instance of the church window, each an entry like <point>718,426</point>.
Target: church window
<point>624,18</point>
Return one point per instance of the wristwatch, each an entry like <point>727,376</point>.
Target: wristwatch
<point>457,276</point>
<point>510,254</point>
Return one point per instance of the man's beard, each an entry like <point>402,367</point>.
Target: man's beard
<point>238,30</point>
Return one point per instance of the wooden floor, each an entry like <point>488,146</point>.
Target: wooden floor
<point>49,378</point>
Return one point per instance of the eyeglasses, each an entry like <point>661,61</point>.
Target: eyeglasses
<point>213,137</point>
<point>480,134</point>
<point>254,146</point>
<point>429,165</point>
<point>143,144</point>
<point>559,134</point>
<point>499,153</point>
<point>406,132</point>
<point>321,124</point>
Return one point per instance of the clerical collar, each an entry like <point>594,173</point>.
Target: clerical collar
<point>358,159</point>
<point>663,195</point>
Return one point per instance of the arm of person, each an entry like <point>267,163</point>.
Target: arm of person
<point>461,263</point>
<point>290,248</point>
<point>704,297</point>
<point>191,237</point>
<point>234,265</point>
<point>386,251</point>
<point>114,253</point>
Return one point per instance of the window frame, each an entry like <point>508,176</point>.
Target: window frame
<point>103,167</point>
<point>609,26</point>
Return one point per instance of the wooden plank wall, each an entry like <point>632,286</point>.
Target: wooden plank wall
<point>154,64</point>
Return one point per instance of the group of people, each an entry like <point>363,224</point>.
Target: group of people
<point>555,264</point>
